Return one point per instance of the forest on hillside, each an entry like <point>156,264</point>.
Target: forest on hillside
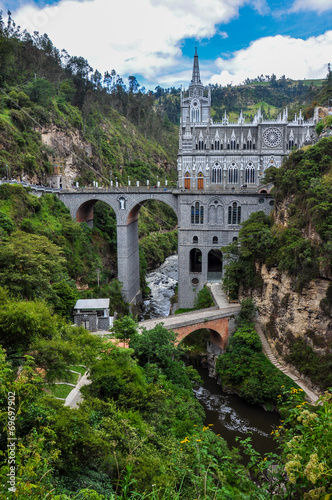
<point>115,129</point>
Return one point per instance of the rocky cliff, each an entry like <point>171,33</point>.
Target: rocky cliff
<point>290,318</point>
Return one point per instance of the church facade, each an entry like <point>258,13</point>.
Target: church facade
<point>220,171</point>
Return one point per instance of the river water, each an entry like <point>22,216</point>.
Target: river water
<point>230,415</point>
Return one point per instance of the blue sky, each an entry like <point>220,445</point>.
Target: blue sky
<point>155,39</point>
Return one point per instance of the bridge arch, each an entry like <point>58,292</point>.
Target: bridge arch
<point>82,210</point>
<point>209,335</point>
<point>126,205</point>
<point>218,331</point>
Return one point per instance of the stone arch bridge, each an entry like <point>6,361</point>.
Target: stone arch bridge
<point>202,231</point>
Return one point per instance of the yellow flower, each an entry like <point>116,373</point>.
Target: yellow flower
<point>211,425</point>
<point>198,440</point>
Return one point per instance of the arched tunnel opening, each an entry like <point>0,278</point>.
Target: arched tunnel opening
<point>196,343</point>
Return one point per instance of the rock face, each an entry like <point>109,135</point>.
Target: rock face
<point>285,314</point>
<point>70,147</point>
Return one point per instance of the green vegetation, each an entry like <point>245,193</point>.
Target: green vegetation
<point>304,468</point>
<point>108,126</point>
<point>203,300</point>
<point>156,247</point>
<point>60,390</point>
<point>304,181</point>
<point>244,369</point>
<point>43,253</point>
<point>139,431</point>
<point>296,240</point>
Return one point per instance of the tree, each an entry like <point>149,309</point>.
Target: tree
<point>133,84</point>
<point>22,322</point>
<point>28,264</point>
<point>125,328</point>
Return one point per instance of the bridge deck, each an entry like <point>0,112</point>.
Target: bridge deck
<point>191,318</point>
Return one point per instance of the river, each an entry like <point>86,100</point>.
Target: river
<point>230,415</point>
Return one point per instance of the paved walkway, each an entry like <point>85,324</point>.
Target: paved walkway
<point>219,296</point>
<point>312,397</point>
<point>75,397</point>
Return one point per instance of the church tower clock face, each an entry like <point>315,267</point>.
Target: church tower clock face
<point>272,137</point>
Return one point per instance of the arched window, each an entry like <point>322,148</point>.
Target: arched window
<point>249,144</point>
<point>291,144</point>
<point>216,144</point>
<point>216,173</point>
<point>234,239</point>
<point>195,112</point>
<point>197,213</point>
<point>187,180</point>
<point>195,261</point>
<point>195,239</point>
<point>233,174</point>
<point>234,214</point>
<point>215,240</point>
<point>250,174</point>
<point>214,264</point>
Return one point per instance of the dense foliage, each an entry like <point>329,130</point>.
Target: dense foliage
<point>297,240</point>
<point>303,470</point>
<point>139,431</point>
<point>43,252</point>
<point>244,369</point>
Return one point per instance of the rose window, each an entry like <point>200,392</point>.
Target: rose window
<point>272,137</point>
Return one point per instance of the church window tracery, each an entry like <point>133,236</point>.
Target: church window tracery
<point>234,214</point>
<point>197,213</point>
<point>233,174</point>
<point>249,177</point>
<point>216,173</point>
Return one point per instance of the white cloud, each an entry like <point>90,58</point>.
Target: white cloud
<point>133,37</point>
<point>282,55</point>
<point>312,5</point>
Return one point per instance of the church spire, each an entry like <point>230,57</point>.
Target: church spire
<point>196,79</point>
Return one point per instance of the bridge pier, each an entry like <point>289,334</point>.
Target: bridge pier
<point>128,260</point>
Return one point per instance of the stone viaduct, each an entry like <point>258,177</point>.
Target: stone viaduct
<point>205,223</point>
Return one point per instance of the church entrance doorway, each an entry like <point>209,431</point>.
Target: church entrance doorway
<point>214,265</point>
<point>200,181</point>
<point>187,181</point>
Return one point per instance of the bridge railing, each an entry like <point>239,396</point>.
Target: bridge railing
<point>137,189</point>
